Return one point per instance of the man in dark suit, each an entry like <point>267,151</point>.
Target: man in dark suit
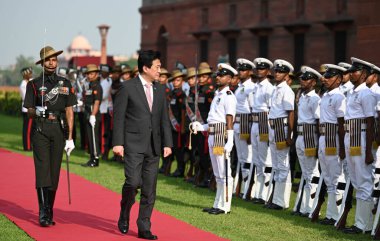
<point>142,128</point>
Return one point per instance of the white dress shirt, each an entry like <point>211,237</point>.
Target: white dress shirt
<point>106,86</point>
<point>144,82</point>
<point>308,108</point>
<point>344,88</point>
<point>360,103</point>
<point>261,96</point>
<point>223,104</point>
<point>282,101</point>
<point>242,93</point>
<point>22,93</point>
<point>333,106</point>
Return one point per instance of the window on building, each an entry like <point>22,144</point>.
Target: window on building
<point>204,16</point>
<point>341,6</point>
<point>264,10</point>
<point>162,44</point>
<point>232,50</point>
<point>299,50</point>
<point>233,14</point>
<point>300,8</point>
<point>203,46</point>
<point>340,46</point>
<point>263,46</point>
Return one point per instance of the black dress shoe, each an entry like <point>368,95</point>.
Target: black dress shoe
<point>258,201</point>
<point>352,230</point>
<point>327,221</point>
<point>206,210</point>
<point>275,207</point>
<point>296,213</point>
<point>305,215</point>
<point>146,235</point>
<point>123,226</point>
<point>91,163</point>
<point>217,211</point>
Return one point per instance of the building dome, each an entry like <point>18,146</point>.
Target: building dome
<point>80,43</point>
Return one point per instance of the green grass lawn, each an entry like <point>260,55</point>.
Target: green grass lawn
<point>183,201</point>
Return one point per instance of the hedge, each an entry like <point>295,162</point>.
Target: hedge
<point>10,103</point>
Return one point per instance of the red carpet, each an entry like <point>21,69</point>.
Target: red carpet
<point>92,214</point>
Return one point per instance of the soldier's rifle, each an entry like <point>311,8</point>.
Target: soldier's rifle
<point>347,205</point>
<point>300,193</point>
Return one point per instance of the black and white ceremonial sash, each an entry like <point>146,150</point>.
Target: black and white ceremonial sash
<point>173,120</point>
<point>278,125</point>
<point>308,132</point>
<point>245,125</point>
<point>355,128</point>
<point>219,132</point>
<point>263,126</point>
<point>329,130</point>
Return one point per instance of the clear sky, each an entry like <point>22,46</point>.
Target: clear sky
<point>23,23</point>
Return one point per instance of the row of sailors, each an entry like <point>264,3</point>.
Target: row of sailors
<point>333,132</point>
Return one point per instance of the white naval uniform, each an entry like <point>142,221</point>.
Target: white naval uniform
<point>332,107</point>
<point>223,104</point>
<point>22,88</point>
<point>346,87</point>
<point>106,86</point>
<point>244,151</point>
<point>282,102</point>
<point>375,88</point>
<point>360,105</point>
<point>261,102</point>
<point>308,113</point>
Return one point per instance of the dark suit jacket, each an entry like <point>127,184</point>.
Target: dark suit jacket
<point>134,124</point>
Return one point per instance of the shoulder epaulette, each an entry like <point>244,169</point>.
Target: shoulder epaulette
<point>229,92</point>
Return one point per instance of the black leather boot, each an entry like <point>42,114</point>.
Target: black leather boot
<point>43,203</point>
<point>51,204</point>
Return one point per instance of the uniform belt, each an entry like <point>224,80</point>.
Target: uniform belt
<point>348,129</point>
<point>41,119</point>
<point>284,120</point>
<point>238,116</point>
<point>322,128</point>
<point>255,116</point>
<point>211,129</point>
<point>300,129</point>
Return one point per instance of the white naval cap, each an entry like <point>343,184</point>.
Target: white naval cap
<point>332,70</point>
<point>283,66</point>
<point>263,63</point>
<point>344,65</point>
<point>358,64</point>
<point>309,73</point>
<point>62,71</point>
<point>244,64</point>
<point>375,69</point>
<point>226,69</point>
<point>104,68</point>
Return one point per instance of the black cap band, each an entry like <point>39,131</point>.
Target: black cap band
<point>224,72</point>
<point>262,65</point>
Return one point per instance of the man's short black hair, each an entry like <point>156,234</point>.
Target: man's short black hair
<point>146,58</point>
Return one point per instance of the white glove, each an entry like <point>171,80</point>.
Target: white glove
<point>69,146</point>
<point>40,111</point>
<point>230,142</point>
<point>80,103</point>
<point>92,120</point>
<point>197,126</point>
